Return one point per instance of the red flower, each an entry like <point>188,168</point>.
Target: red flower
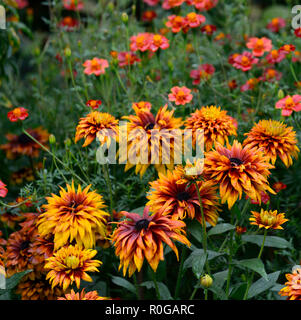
<point>194,20</point>
<point>181,95</point>
<point>176,23</point>
<point>289,104</point>
<point>149,15</point>
<point>140,42</point>
<point>204,5</point>
<point>168,4</point>
<point>204,71</point>
<point>249,85</point>
<point>69,23</point>
<point>244,61</point>
<point>208,29</point>
<point>232,84</point>
<point>276,24</point>
<point>152,2</point>
<point>259,46</point>
<point>17,114</point>
<point>275,56</point>
<point>94,104</point>
<point>95,66</point>
<point>271,75</point>
<point>74,5</point>
<point>298,32</point>
<point>287,48</point>
<point>3,190</point>
<point>127,58</point>
<point>22,4</point>
<point>278,186</point>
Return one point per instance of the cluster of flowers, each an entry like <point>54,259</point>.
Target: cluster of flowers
<point>202,5</point>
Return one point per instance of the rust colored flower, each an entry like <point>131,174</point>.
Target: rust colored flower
<point>194,20</point>
<point>276,24</point>
<point>203,72</point>
<point>265,198</point>
<point>23,145</point>
<point>259,46</point>
<point>10,217</point>
<point>69,23</point>
<point>271,75</point>
<point>214,122</point>
<point>73,216</point>
<point>95,66</point>
<point>238,170</point>
<point>71,264</point>
<point>297,32</point>
<point>22,175</point>
<point>209,29</point>
<point>17,114</point>
<point>287,48</point>
<point>149,15</point>
<point>74,5</point>
<point>127,59</point>
<point>204,5</point>
<point>170,196</point>
<point>147,132</point>
<point>232,84</point>
<point>142,105</point>
<point>41,249</point>
<point>3,190</point>
<point>278,186</point>
<point>268,219</point>
<point>240,230</point>
<point>90,295</point>
<point>143,236</point>
<point>94,104</point>
<point>275,139</point>
<point>180,95</point>
<point>289,104</point>
<point>292,289</point>
<point>251,84</point>
<point>190,171</point>
<point>97,124</point>
<point>244,61</point>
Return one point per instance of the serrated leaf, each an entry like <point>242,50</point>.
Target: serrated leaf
<point>253,264</point>
<point>262,284</point>
<point>270,241</point>
<point>124,283</point>
<point>221,228</point>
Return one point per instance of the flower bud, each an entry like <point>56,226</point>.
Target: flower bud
<point>280,94</point>
<point>68,142</point>
<point>124,17</point>
<point>67,52</point>
<point>110,7</point>
<point>206,281</point>
<point>52,139</point>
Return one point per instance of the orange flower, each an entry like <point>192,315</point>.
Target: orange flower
<point>215,123</point>
<point>292,289</point>
<point>142,237</point>
<point>176,23</point>
<point>17,114</point>
<point>276,24</point>
<point>180,95</point>
<point>209,29</point>
<point>168,4</point>
<point>23,145</point>
<point>97,124</point>
<point>169,195</point>
<point>75,5</point>
<point>275,139</point>
<point>278,186</point>
<point>91,295</point>
<point>95,66</point>
<point>240,230</point>
<point>259,46</point>
<point>94,104</point>
<point>204,5</point>
<point>142,105</point>
<point>71,264</point>
<point>238,170</point>
<point>268,219</point>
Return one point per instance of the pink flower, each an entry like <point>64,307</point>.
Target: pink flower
<point>271,75</point>
<point>74,5</point>
<point>204,71</point>
<point>289,104</point>
<point>276,24</point>
<point>176,23</point>
<point>3,190</point>
<point>151,2</point>
<point>127,58</point>
<point>244,61</point>
<point>95,66</point>
<point>17,114</point>
<point>140,42</point>
<point>204,5</point>
<point>168,4</point>
<point>249,85</point>
<point>180,95</point>
<point>208,29</point>
<point>275,56</point>
<point>22,4</point>
<point>158,42</point>
<point>259,46</point>
<point>194,20</point>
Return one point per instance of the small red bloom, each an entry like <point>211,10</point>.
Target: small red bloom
<point>180,95</point>
<point>3,190</point>
<point>94,104</point>
<point>203,72</point>
<point>149,15</point>
<point>278,186</point>
<point>204,5</point>
<point>194,20</point>
<point>140,42</point>
<point>95,66</point>
<point>259,46</point>
<point>276,24</point>
<point>271,75</point>
<point>244,61</point>
<point>240,230</point>
<point>289,104</point>
<point>275,56</point>
<point>69,23</point>
<point>151,2</point>
<point>251,84</point>
<point>265,198</point>
<point>22,4</point>
<point>74,5</point>
<point>168,4</point>
<point>17,114</point>
<point>232,84</point>
<point>127,58</point>
<point>176,23</point>
<point>287,48</point>
<point>208,29</point>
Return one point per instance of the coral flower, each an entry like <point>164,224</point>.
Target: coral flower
<point>276,24</point>
<point>94,104</point>
<point>148,138</point>
<point>292,289</point>
<point>169,195</point>
<point>259,46</point>
<point>69,23</point>
<point>180,95</point>
<point>127,59</point>
<point>287,48</point>
<point>176,23</point>
<point>297,32</point>
<point>143,236</point>
<point>251,84</point>
<point>275,139</point>
<point>238,170</point>
<point>71,264</point>
<point>97,124</point>
<point>268,219</point>
<point>141,42</point>
<point>168,4</point>
<point>3,190</point>
<point>240,230</point>
<point>23,145</point>
<point>278,186</point>
<point>17,114</point>
<point>204,5</point>
<point>203,72</point>
<point>244,61</point>
<point>95,66</point>
<point>158,42</point>
<point>271,75</point>
<point>289,104</point>
<point>74,5</point>
<point>91,295</point>
<point>209,29</point>
<point>194,20</point>
<point>73,216</point>
<point>142,105</point>
<point>214,122</point>
<point>275,56</point>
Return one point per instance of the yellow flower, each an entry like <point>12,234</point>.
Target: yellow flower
<point>268,219</point>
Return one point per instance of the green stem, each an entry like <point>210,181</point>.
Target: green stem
<point>180,271</point>
<point>194,292</point>
<point>156,286</point>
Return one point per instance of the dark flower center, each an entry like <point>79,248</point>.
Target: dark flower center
<point>142,224</point>
<point>24,139</point>
<point>24,245</point>
<point>183,196</point>
<point>235,161</point>
<point>150,126</point>
<point>74,204</point>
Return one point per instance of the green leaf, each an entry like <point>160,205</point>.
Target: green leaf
<point>221,228</point>
<point>199,253</point>
<point>13,281</point>
<point>124,283</point>
<point>253,264</point>
<point>220,277</point>
<point>262,284</point>
<point>163,289</point>
<point>218,291</point>
<point>270,241</point>
<point>196,230</point>
<point>138,210</point>
<point>198,263</point>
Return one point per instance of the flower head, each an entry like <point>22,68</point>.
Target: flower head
<point>95,66</point>
<point>297,32</point>
<point>194,20</point>
<point>209,29</point>
<point>74,5</point>
<point>259,46</point>
<point>176,23</point>
<point>17,114</point>
<point>289,104</point>
<point>90,295</point>
<point>141,42</point>
<point>71,264</point>
<point>268,219</point>
<point>203,72</point>
<point>275,139</point>
<point>73,216</point>
<point>292,289</point>
<point>158,42</point>
<point>3,190</point>
<point>244,61</point>
<point>278,186</point>
<point>69,23</point>
<point>142,237</point>
<point>168,4</point>
<point>127,59</point>
<point>94,104</point>
<point>275,56</point>
<point>204,5</point>
<point>180,95</point>
<point>238,170</point>
<point>251,84</point>
<point>276,24</point>
<point>149,15</point>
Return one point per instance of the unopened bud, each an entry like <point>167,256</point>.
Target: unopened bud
<point>110,7</point>
<point>37,51</point>
<point>206,281</point>
<point>280,94</point>
<point>124,17</point>
<point>52,139</point>
<point>68,142</point>
<point>67,52</point>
